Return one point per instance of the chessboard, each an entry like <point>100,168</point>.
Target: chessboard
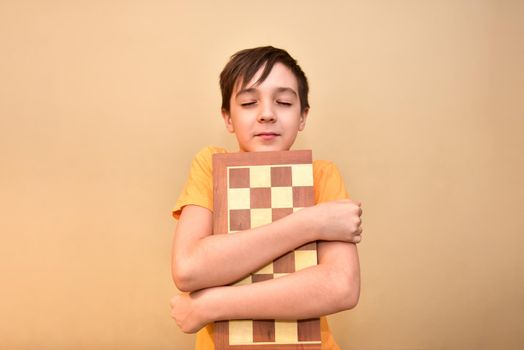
<point>251,189</point>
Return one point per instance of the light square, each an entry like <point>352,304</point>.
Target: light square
<point>240,332</point>
<point>286,332</point>
<point>260,176</point>
<point>302,175</point>
<point>238,198</point>
<point>268,269</point>
<point>281,197</point>
<point>305,258</point>
<point>278,275</point>
<point>261,217</point>
<point>244,281</point>
<point>297,209</point>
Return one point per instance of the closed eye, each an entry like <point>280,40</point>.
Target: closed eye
<point>284,103</point>
<point>247,104</point>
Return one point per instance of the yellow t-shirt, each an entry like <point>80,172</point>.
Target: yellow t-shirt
<point>198,190</point>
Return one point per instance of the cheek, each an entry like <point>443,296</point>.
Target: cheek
<point>242,128</point>
<point>293,119</point>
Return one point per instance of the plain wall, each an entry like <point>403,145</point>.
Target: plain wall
<point>104,103</point>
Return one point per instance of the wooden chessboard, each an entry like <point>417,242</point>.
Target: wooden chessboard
<point>254,189</point>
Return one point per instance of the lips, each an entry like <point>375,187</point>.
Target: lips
<point>267,135</point>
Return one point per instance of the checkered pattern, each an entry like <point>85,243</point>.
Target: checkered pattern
<point>253,189</point>
<point>258,195</point>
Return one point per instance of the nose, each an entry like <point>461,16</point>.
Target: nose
<point>267,115</point>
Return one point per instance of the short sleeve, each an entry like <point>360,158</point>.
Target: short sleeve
<point>198,189</point>
<point>329,184</point>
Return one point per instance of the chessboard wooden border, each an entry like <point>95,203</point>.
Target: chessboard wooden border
<point>221,161</point>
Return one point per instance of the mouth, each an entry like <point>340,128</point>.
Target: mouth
<point>267,135</point>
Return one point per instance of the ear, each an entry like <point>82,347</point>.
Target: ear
<point>227,121</point>
<point>303,118</point>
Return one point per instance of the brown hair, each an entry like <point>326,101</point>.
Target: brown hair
<point>244,64</point>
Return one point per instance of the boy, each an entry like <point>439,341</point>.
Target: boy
<point>265,104</point>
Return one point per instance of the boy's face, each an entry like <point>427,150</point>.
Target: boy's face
<point>266,117</point>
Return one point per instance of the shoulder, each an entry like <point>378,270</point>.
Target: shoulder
<point>203,158</point>
<point>198,189</point>
<point>322,165</point>
<point>323,168</point>
<point>207,152</point>
<point>202,164</point>
<point>328,182</point>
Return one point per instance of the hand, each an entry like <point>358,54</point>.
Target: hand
<point>337,220</point>
<point>186,313</point>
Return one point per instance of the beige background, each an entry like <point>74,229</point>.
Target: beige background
<point>104,103</point>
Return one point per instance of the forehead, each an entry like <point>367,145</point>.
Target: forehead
<point>280,76</point>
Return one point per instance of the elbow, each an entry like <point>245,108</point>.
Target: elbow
<point>348,293</point>
<point>183,277</point>
<point>350,297</point>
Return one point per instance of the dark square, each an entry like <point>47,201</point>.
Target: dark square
<point>308,330</point>
<point>279,213</point>
<point>260,197</point>
<point>303,196</point>
<point>263,331</point>
<point>260,277</point>
<point>238,177</point>
<point>239,219</point>
<point>285,264</point>
<point>281,176</point>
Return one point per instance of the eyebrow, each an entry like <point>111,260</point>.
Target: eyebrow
<point>253,90</point>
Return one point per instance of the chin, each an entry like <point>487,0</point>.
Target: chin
<point>269,149</point>
<point>264,147</point>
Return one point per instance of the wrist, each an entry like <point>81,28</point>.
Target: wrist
<point>209,304</point>
<point>309,225</point>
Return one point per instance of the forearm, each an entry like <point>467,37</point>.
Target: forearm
<point>331,286</point>
<point>312,292</point>
<point>216,260</point>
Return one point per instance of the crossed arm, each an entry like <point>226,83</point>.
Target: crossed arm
<point>203,263</point>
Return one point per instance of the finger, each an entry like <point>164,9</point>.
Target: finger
<point>359,203</point>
